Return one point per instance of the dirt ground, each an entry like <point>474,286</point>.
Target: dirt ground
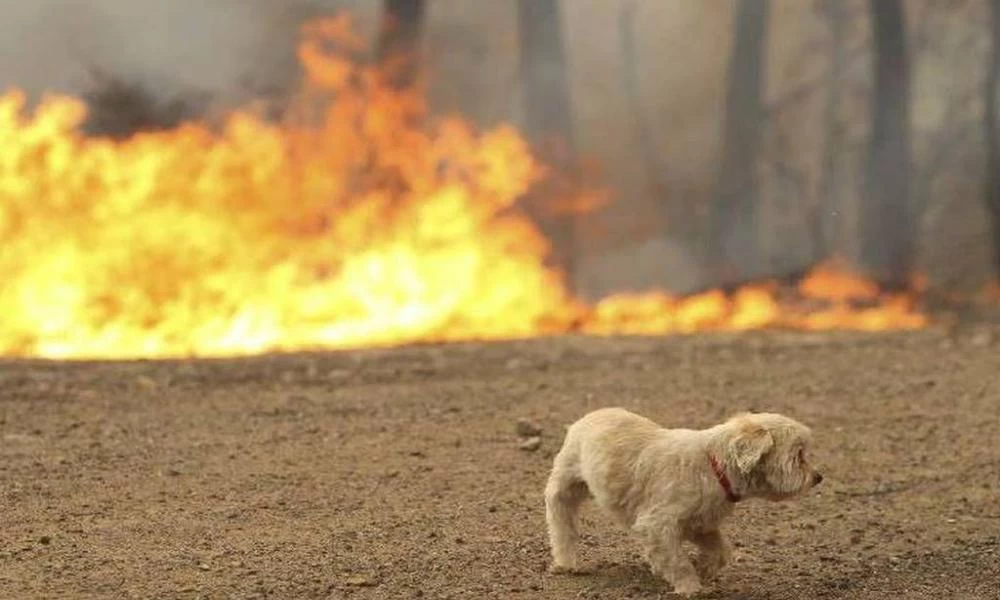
<point>398,473</point>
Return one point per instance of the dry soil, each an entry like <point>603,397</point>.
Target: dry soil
<point>398,473</point>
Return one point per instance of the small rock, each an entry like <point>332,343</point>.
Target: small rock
<point>146,382</point>
<point>982,339</point>
<point>528,429</point>
<point>515,363</point>
<point>360,581</point>
<point>531,444</point>
<point>204,567</point>
<point>45,540</point>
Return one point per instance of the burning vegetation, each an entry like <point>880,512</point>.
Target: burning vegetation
<point>361,221</point>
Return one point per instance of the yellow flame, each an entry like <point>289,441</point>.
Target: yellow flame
<point>363,225</point>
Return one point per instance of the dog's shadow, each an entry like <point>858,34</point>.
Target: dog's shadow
<point>636,577</point>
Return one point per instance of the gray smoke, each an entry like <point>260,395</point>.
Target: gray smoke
<point>226,48</point>
<point>231,50</point>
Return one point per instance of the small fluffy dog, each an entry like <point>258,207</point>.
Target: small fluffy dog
<point>672,485</point>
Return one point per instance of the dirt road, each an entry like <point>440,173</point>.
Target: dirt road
<point>397,474</point>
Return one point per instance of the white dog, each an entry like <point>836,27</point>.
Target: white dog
<point>672,485</point>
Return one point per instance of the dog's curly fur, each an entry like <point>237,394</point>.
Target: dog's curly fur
<point>661,484</point>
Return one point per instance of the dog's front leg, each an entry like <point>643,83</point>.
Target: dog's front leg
<point>713,553</point>
<point>562,500</point>
<point>662,547</point>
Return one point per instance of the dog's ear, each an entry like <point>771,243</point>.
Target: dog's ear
<point>749,443</point>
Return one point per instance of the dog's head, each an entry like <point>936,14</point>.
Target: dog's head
<point>770,452</point>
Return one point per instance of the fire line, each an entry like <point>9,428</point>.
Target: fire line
<point>366,225</point>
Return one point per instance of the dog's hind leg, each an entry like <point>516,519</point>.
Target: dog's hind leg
<point>661,541</point>
<point>713,553</point>
<point>563,495</point>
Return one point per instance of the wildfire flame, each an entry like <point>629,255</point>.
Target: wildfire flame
<point>367,225</point>
<point>829,297</point>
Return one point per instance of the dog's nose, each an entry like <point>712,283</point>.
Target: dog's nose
<point>817,478</point>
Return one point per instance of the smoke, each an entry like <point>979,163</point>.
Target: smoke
<point>474,57</point>
<point>658,145</point>
<point>228,49</point>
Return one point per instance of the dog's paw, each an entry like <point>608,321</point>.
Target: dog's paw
<point>687,587</point>
<point>555,569</point>
<point>654,567</point>
<point>708,567</point>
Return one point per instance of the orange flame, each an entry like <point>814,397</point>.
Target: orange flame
<point>367,226</point>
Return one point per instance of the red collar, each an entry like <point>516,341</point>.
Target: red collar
<point>720,474</point>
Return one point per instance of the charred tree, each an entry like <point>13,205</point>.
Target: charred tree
<point>888,220</point>
<point>825,221</point>
<point>630,85</point>
<point>993,134</point>
<point>733,247</point>
<point>399,37</point>
<point>547,110</point>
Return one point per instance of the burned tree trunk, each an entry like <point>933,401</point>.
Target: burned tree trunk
<point>630,85</point>
<point>733,247</point>
<point>993,134</point>
<point>888,219</point>
<point>547,112</point>
<point>399,37</point>
<point>548,115</point>
<point>825,221</point>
